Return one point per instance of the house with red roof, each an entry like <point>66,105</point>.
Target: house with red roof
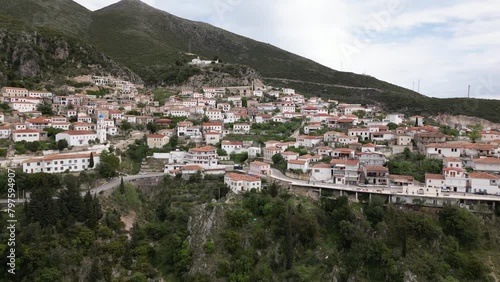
<point>241,182</point>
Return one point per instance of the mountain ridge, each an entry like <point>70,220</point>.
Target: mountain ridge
<point>155,45</point>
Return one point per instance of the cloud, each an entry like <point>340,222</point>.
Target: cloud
<point>447,44</point>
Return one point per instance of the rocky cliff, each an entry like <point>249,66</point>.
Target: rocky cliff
<point>30,57</point>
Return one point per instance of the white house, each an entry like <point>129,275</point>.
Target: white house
<point>484,182</point>
<point>23,107</point>
<point>309,141</point>
<point>269,152</point>
<point>260,168</point>
<point>321,172</point>
<point>241,128</point>
<point>241,182</point>
<point>486,164</point>
<point>446,150</point>
<point>5,132</point>
<point>28,135</point>
<point>212,138</point>
<point>205,157</point>
<point>14,92</point>
<point>395,118</point>
<point>455,179</point>
<point>214,114</point>
<point>290,156</point>
<point>157,141</point>
<point>182,127</point>
<point>213,127</point>
<point>487,136</point>
<point>288,91</point>
<point>60,163</point>
<point>363,133</point>
<point>77,138</point>
<point>232,146</point>
<point>434,181</point>
<point>302,165</point>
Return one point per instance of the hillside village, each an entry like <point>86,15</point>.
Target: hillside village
<point>243,132</point>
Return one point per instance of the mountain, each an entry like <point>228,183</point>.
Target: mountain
<point>67,16</point>
<point>31,56</point>
<point>156,45</point>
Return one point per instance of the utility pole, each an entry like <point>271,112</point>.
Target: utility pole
<point>468,93</point>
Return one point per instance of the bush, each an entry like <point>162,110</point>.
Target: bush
<point>209,247</point>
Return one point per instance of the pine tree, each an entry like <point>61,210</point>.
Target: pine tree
<point>91,160</point>
<point>122,187</point>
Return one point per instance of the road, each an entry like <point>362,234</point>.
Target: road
<point>276,174</point>
<point>106,186</point>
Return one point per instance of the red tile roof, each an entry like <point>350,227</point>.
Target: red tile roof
<point>242,177</point>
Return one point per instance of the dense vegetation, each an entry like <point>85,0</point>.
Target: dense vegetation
<point>259,236</point>
<point>33,57</point>
<point>414,164</point>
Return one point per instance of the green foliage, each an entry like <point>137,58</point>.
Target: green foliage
<point>52,132</point>
<point>129,199</point>
<point>109,164</point>
<point>62,144</point>
<point>414,164</point>
<point>161,95</point>
<point>91,160</point>
<point>475,133</point>
<point>125,126</point>
<point>392,126</point>
<point>279,162</point>
<point>448,130</point>
<point>239,158</point>
<point>209,247</point>
<point>461,224</point>
<point>45,109</point>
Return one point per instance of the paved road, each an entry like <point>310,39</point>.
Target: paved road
<point>106,186</point>
<point>276,174</point>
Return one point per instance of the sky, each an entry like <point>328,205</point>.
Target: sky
<point>447,45</point>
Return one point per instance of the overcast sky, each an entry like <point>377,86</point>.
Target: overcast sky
<point>447,44</point>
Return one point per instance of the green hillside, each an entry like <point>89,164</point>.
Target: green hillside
<point>180,232</point>
<point>32,57</point>
<point>67,16</point>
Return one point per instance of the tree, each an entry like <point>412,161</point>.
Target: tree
<point>244,102</point>
<point>279,162</point>
<point>104,169</point>
<point>111,159</point>
<point>360,114</point>
<point>45,109</point>
<point>122,187</point>
<point>62,144</point>
<point>91,160</point>
<point>32,146</point>
<point>125,126</point>
<point>392,126</point>
<point>152,127</point>
<point>475,133</point>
